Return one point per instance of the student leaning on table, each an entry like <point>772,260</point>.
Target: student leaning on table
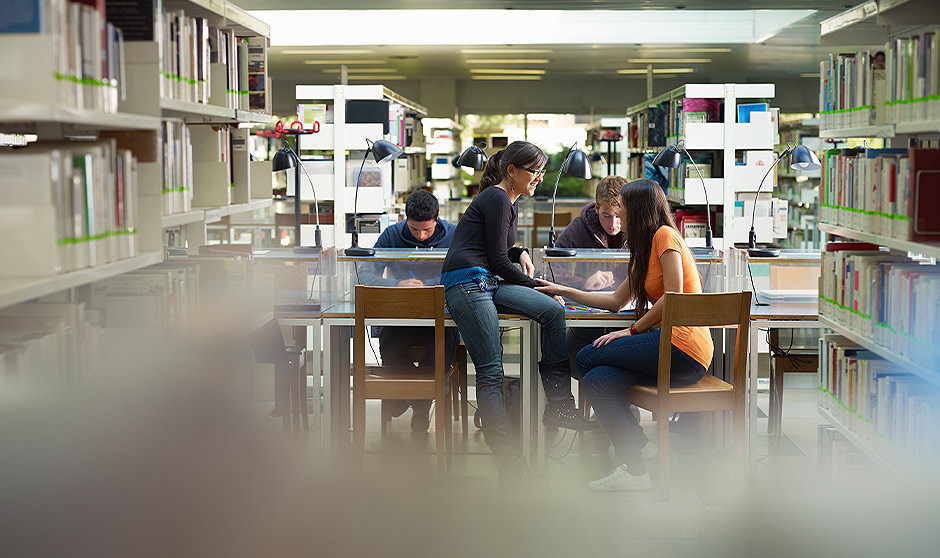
<point>660,262</point>
<point>481,281</point>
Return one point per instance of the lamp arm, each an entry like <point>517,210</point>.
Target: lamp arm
<point>359,179</point>
<point>759,186</point>
<point>564,163</point>
<point>702,178</point>
<point>316,203</point>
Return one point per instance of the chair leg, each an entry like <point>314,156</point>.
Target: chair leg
<point>705,426</point>
<point>359,425</point>
<point>449,434</point>
<point>302,397</point>
<point>455,394</point>
<point>384,417</point>
<point>441,419</point>
<point>739,419</point>
<point>662,427</point>
<point>462,385</point>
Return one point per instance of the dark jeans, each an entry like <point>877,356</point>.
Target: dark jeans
<point>610,370</point>
<point>579,338</point>
<point>475,312</point>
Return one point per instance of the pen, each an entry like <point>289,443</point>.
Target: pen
<point>412,274</point>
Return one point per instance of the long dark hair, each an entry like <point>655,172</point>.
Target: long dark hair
<point>519,154</point>
<point>647,210</point>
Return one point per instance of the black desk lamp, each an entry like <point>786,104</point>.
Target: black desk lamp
<point>285,158</point>
<point>671,157</point>
<point>801,158</point>
<point>575,164</point>
<point>382,151</point>
<point>472,157</point>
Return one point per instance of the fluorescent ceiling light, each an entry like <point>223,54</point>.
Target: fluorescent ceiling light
<point>360,70</point>
<point>333,62</point>
<point>505,71</point>
<point>639,71</point>
<point>686,50</point>
<point>530,27</point>
<point>669,60</point>
<point>375,77</point>
<point>508,61</point>
<point>810,75</point>
<point>315,52</point>
<point>506,78</point>
<point>505,50</point>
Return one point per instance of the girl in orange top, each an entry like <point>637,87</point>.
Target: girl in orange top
<point>660,262</point>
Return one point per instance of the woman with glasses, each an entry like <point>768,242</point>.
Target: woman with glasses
<point>482,280</point>
<point>660,262</point>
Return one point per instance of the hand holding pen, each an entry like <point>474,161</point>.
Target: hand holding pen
<point>412,282</point>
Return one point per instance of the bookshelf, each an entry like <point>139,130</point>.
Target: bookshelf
<point>719,133</point>
<point>875,196</point>
<point>608,138</point>
<point>442,136</point>
<point>324,155</point>
<point>800,189</point>
<point>124,106</point>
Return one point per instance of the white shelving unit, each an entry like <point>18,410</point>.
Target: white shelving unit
<point>338,137</point>
<point>614,152</point>
<point>726,137</point>
<point>862,444</point>
<point>442,136</point>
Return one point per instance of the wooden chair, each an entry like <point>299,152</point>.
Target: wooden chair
<point>708,394</point>
<point>543,220</point>
<point>384,382</point>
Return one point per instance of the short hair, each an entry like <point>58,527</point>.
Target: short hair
<point>607,193</point>
<point>421,205</point>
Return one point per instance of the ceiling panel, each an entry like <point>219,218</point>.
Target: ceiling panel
<point>829,5</point>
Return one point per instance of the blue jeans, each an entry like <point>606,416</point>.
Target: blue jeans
<point>475,310</point>
<point>608,371</point>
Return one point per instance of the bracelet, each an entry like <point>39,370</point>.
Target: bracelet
<point>633,330</point>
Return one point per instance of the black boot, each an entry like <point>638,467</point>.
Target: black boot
<point>499,437</point>
<point>560,409</point>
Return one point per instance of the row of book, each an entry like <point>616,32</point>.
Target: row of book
<point>897,413</point>
<point>75,43</point>
<point>177,172</point>
<point>887,192</point>
<point>912,78</point>
<point>76,199</point>
<point>888,298</point>
<point>841,463</point>
<point>852,90</point>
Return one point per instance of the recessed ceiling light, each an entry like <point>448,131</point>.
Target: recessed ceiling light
<point>315,52</point>
<point>507,61</point>
<point>507,78</point>
<point>333,62</point>
<point>360,70</point>
<point>669,60</point>
<point>505,50</point>
<point>377,77</point>
<point>640,71</point>
<point>505,71</point>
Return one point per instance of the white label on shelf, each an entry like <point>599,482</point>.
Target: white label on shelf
<point>213,215</point>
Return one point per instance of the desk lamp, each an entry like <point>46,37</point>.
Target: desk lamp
<point>382,151</point>
<point>472,157</point>
<point>671,157</point>
<point>575,164</point>
<point>285,158</point>
<point>801,158</point>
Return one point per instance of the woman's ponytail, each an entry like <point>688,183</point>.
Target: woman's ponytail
<point>491,173</point>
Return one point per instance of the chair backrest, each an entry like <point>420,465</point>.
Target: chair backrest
<point>543,220</point>
<point>706,310</point>
<point>414,303</point>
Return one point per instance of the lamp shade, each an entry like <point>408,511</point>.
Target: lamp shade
<point>472,157</point>
<point>669,157</point>
<point>578,165</point>
<point>384,151</point>
<point>804,159</point>
<point>282,160</point>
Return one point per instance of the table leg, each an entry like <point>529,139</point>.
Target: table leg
<point>539,398</point>
<point>314,368</point>
<point>327,371</point>
<point>752,399</point>
<point>527,384</point>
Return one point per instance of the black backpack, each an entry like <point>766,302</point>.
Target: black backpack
<point>512,401</point>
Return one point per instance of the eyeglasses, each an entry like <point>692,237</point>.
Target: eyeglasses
<point>539,172</point>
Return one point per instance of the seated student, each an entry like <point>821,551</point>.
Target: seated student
<point>661,262</point>
<point>410,346</point>
<point>597,227</point>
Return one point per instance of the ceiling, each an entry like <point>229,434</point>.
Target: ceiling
<point>792,54</point>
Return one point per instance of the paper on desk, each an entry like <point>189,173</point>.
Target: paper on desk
<point>790,295</point>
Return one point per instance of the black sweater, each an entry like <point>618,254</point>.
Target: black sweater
<point>485,236</point>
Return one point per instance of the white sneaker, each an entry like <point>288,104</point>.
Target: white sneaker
<point>648,452</point>
<point>619,479</point>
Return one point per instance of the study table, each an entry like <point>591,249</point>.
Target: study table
<point>775,315</point>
